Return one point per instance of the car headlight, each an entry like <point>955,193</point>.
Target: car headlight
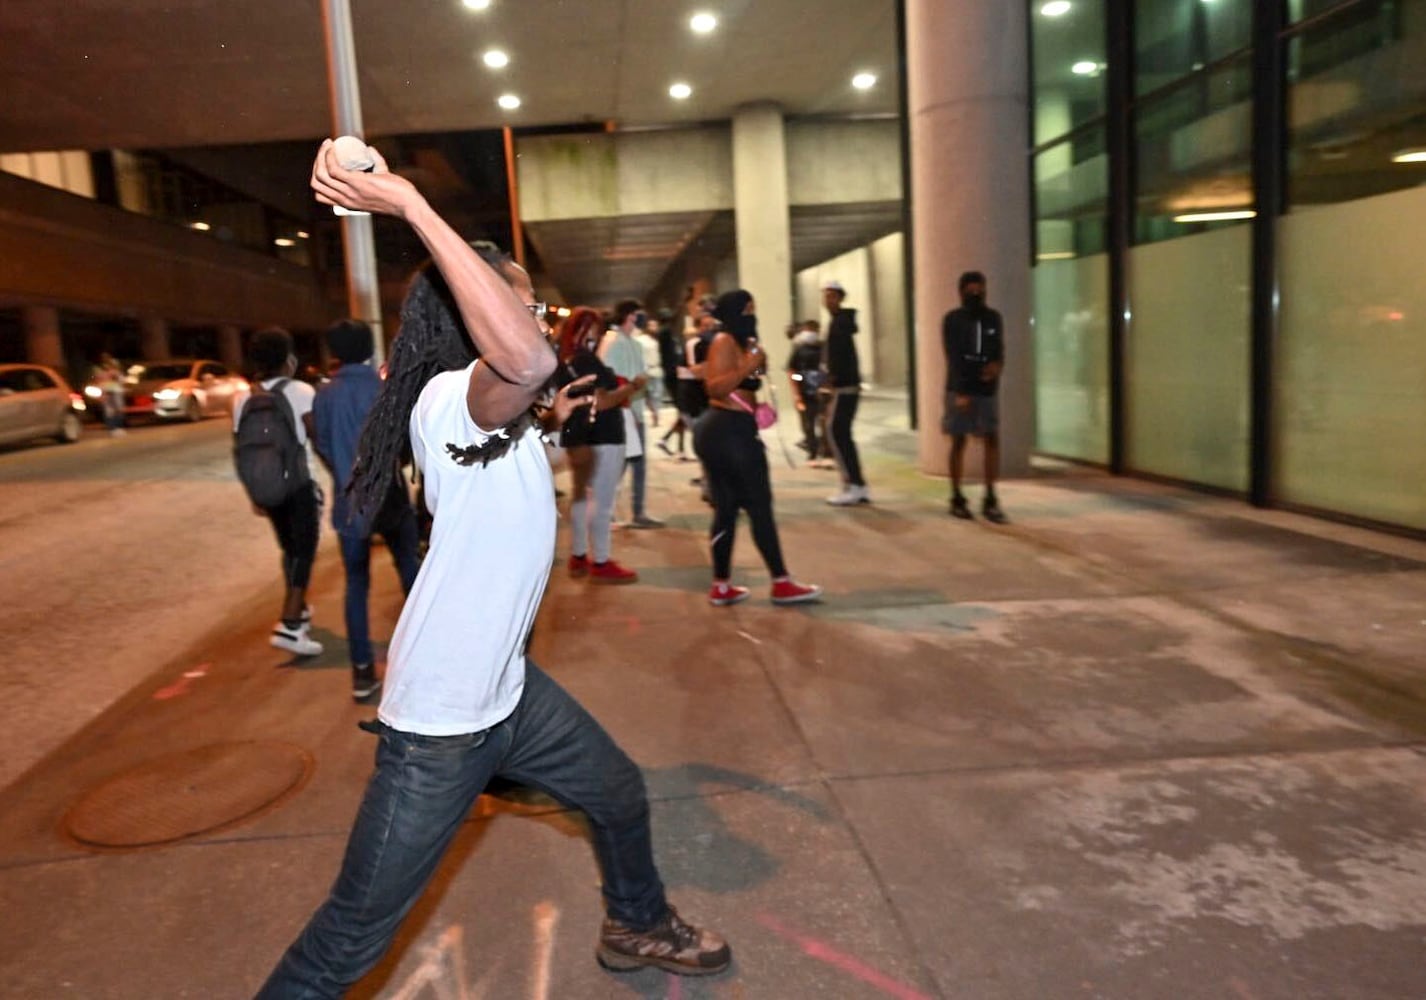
<point>167,394</point>
<point>93,391</point>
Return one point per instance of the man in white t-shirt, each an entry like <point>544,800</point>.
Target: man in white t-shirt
<point>624,355</point>
<point>462,703</point>
<point>297,520</point>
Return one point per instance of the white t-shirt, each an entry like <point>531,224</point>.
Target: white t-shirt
<point>456,663</point>
<point>299,397</point>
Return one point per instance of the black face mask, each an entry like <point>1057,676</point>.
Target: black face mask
<point>744,328</point>
<point>641,320</point>
<point>973,301</point>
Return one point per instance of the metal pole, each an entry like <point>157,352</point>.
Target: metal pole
<point>512,183</point>
<point>358,244</point>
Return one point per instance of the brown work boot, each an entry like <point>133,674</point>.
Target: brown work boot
<point>671,945</point>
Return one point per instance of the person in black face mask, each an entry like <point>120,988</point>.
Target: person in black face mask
<point>974,340</point>
<point>734,460</point>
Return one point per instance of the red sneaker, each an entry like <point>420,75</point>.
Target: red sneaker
<point>789,591</point>
<point>723,594</point>
<point>578,565</point>
<point>611,572</point>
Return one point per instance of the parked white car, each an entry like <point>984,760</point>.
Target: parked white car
<point>177,389</point>
<point>36,402</point>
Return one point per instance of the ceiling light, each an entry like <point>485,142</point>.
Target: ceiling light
<point>1056,255</point>
<point>284,241</point>
<point>680,91</point>
<point>1056,8</point>
<point>508,101</point>
<point>1085,67</point>
<point>477,4</point>
<point>703,22</point>
<point>1415,155</point>
<point>202,227</point>
<point>302,234</point>
<point>864,81</point>
<point>496,59</point>
<point>1231,216</point>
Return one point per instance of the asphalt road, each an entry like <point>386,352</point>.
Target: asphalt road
<point>116,554</point>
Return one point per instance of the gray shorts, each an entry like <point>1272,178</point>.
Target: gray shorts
<point>981,418</point>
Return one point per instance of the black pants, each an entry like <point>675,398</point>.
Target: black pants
<point>295,523</point>
<point>735,464</point>
<point>810,414</point>
<point>841,411</point>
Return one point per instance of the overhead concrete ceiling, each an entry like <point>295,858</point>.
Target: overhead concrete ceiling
<point>156,74</point>
<point>127,74</point>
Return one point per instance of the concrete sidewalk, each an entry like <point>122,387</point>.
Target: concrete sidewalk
<point>1140,743</point>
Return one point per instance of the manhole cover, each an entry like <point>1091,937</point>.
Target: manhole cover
<point>187,794</point>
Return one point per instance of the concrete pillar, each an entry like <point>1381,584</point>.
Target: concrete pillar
<point>44,344</point>
<point>153,338</point>
<point>230,346</point>
<point>764,228</point>
<point>888,303</point>
<point>970,200</point>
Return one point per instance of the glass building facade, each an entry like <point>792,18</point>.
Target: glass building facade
<point>1230,203</point>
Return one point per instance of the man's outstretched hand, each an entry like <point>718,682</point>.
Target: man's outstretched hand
<point>378,191</point>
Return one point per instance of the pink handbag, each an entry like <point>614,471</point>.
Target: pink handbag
<point>765,414</point>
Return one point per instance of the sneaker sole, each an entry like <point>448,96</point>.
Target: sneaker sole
<point>614,961</point>
<point>365,693</point>
<point>723,602</point>
<point>799,599</point>
<point>315,649</point>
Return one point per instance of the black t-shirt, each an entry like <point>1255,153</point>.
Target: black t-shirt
<point>607,427</point>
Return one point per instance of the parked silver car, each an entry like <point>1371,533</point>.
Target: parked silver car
<point>36,402</point>
<point>177,389</point>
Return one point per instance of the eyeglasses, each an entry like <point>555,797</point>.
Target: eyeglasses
<point>538,309</point>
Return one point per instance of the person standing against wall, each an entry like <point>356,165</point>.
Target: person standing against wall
<point>974,340</point>
<point>844,380</point>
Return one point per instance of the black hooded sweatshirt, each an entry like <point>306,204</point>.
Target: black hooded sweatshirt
<point>843,370</point>
<point>973,337</point>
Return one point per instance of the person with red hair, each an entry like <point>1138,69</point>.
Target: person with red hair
<point>595,446</point>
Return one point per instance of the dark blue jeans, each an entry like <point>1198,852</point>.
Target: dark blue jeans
<point>402,542</point>
<point>415,803</point>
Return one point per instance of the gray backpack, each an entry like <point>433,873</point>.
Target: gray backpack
<point>269,458</point>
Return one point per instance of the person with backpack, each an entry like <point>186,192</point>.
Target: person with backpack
<point>338,414</point>
<point>270,429</point>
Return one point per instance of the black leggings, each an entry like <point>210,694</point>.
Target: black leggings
<point>841,411</point>
<point>735,464</point>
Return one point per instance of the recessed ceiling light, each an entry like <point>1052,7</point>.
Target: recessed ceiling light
<point>1229,216</point>
<point>284,241</point>
<point>864,81</point>
<point>703,22</point>
<point>202,227</point>
<point>1085,67</point>
<point>495,59</point>
<point>1416,155</point>
<point>477,4</point>
<point>302,234</point>
<point>508,101</point>
<point>680,91</point>
<point>1056,8</point>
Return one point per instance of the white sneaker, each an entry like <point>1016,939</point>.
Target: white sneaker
<point>295,640</point>
<point>850,497</point>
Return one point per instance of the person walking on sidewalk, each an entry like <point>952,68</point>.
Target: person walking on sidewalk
<point>297,519</point>
<point>338,413</point>
<point>844,380</point>
<point>733,456</point>
<point>463,702</point>
<point>974,341</point>
<point>594,444</point>
<point>625,356</point>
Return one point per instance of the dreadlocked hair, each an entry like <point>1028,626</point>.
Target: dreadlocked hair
<point>432,340</point>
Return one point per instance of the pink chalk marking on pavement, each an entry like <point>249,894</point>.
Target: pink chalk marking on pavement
<point>675,988</point>
<point>181,686</point>
<point>824,952</point>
